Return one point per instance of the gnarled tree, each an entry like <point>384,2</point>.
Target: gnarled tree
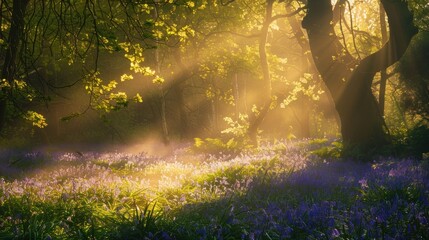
<point>349,80</point>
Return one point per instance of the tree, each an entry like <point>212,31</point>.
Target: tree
<point>307,61</point>
<point>9,69</point>
<point>267,88</point>
<point>53,36</point>
<point>383,73</point>
<point>415,78</point>
<point>349,80</point>
<point>266,93</point>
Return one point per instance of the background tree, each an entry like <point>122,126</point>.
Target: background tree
<point>13,18</point>
<point>57,36</point>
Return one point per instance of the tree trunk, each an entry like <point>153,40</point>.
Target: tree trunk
<point>164,123</point>
<point>165,134</point>
<point>178,83</point>
<point>266,92</point>
<point>304,44</point>
<point>163,103</point>
<point>349,82</point>
<point>10,60</point>
<point>214,108</point>
<point>236,90</point>
<point>214,117</point>
<point>383,74</point>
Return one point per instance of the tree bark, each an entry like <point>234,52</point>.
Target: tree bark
<point>10,60</point>
<point>307,58</point>
<point>349,82</point>
<point>383,74</point>
<point>178,83</point>
<point>266,91</point>
<point>164,123</point>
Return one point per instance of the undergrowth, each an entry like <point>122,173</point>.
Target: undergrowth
<point>278,191</point>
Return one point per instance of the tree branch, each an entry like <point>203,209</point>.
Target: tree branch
<point>402,30</point>
<point>276,17</point>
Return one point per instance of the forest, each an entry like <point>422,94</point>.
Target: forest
<point>214,119</point>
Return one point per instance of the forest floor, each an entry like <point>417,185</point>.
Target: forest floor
<point>282,190</point>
